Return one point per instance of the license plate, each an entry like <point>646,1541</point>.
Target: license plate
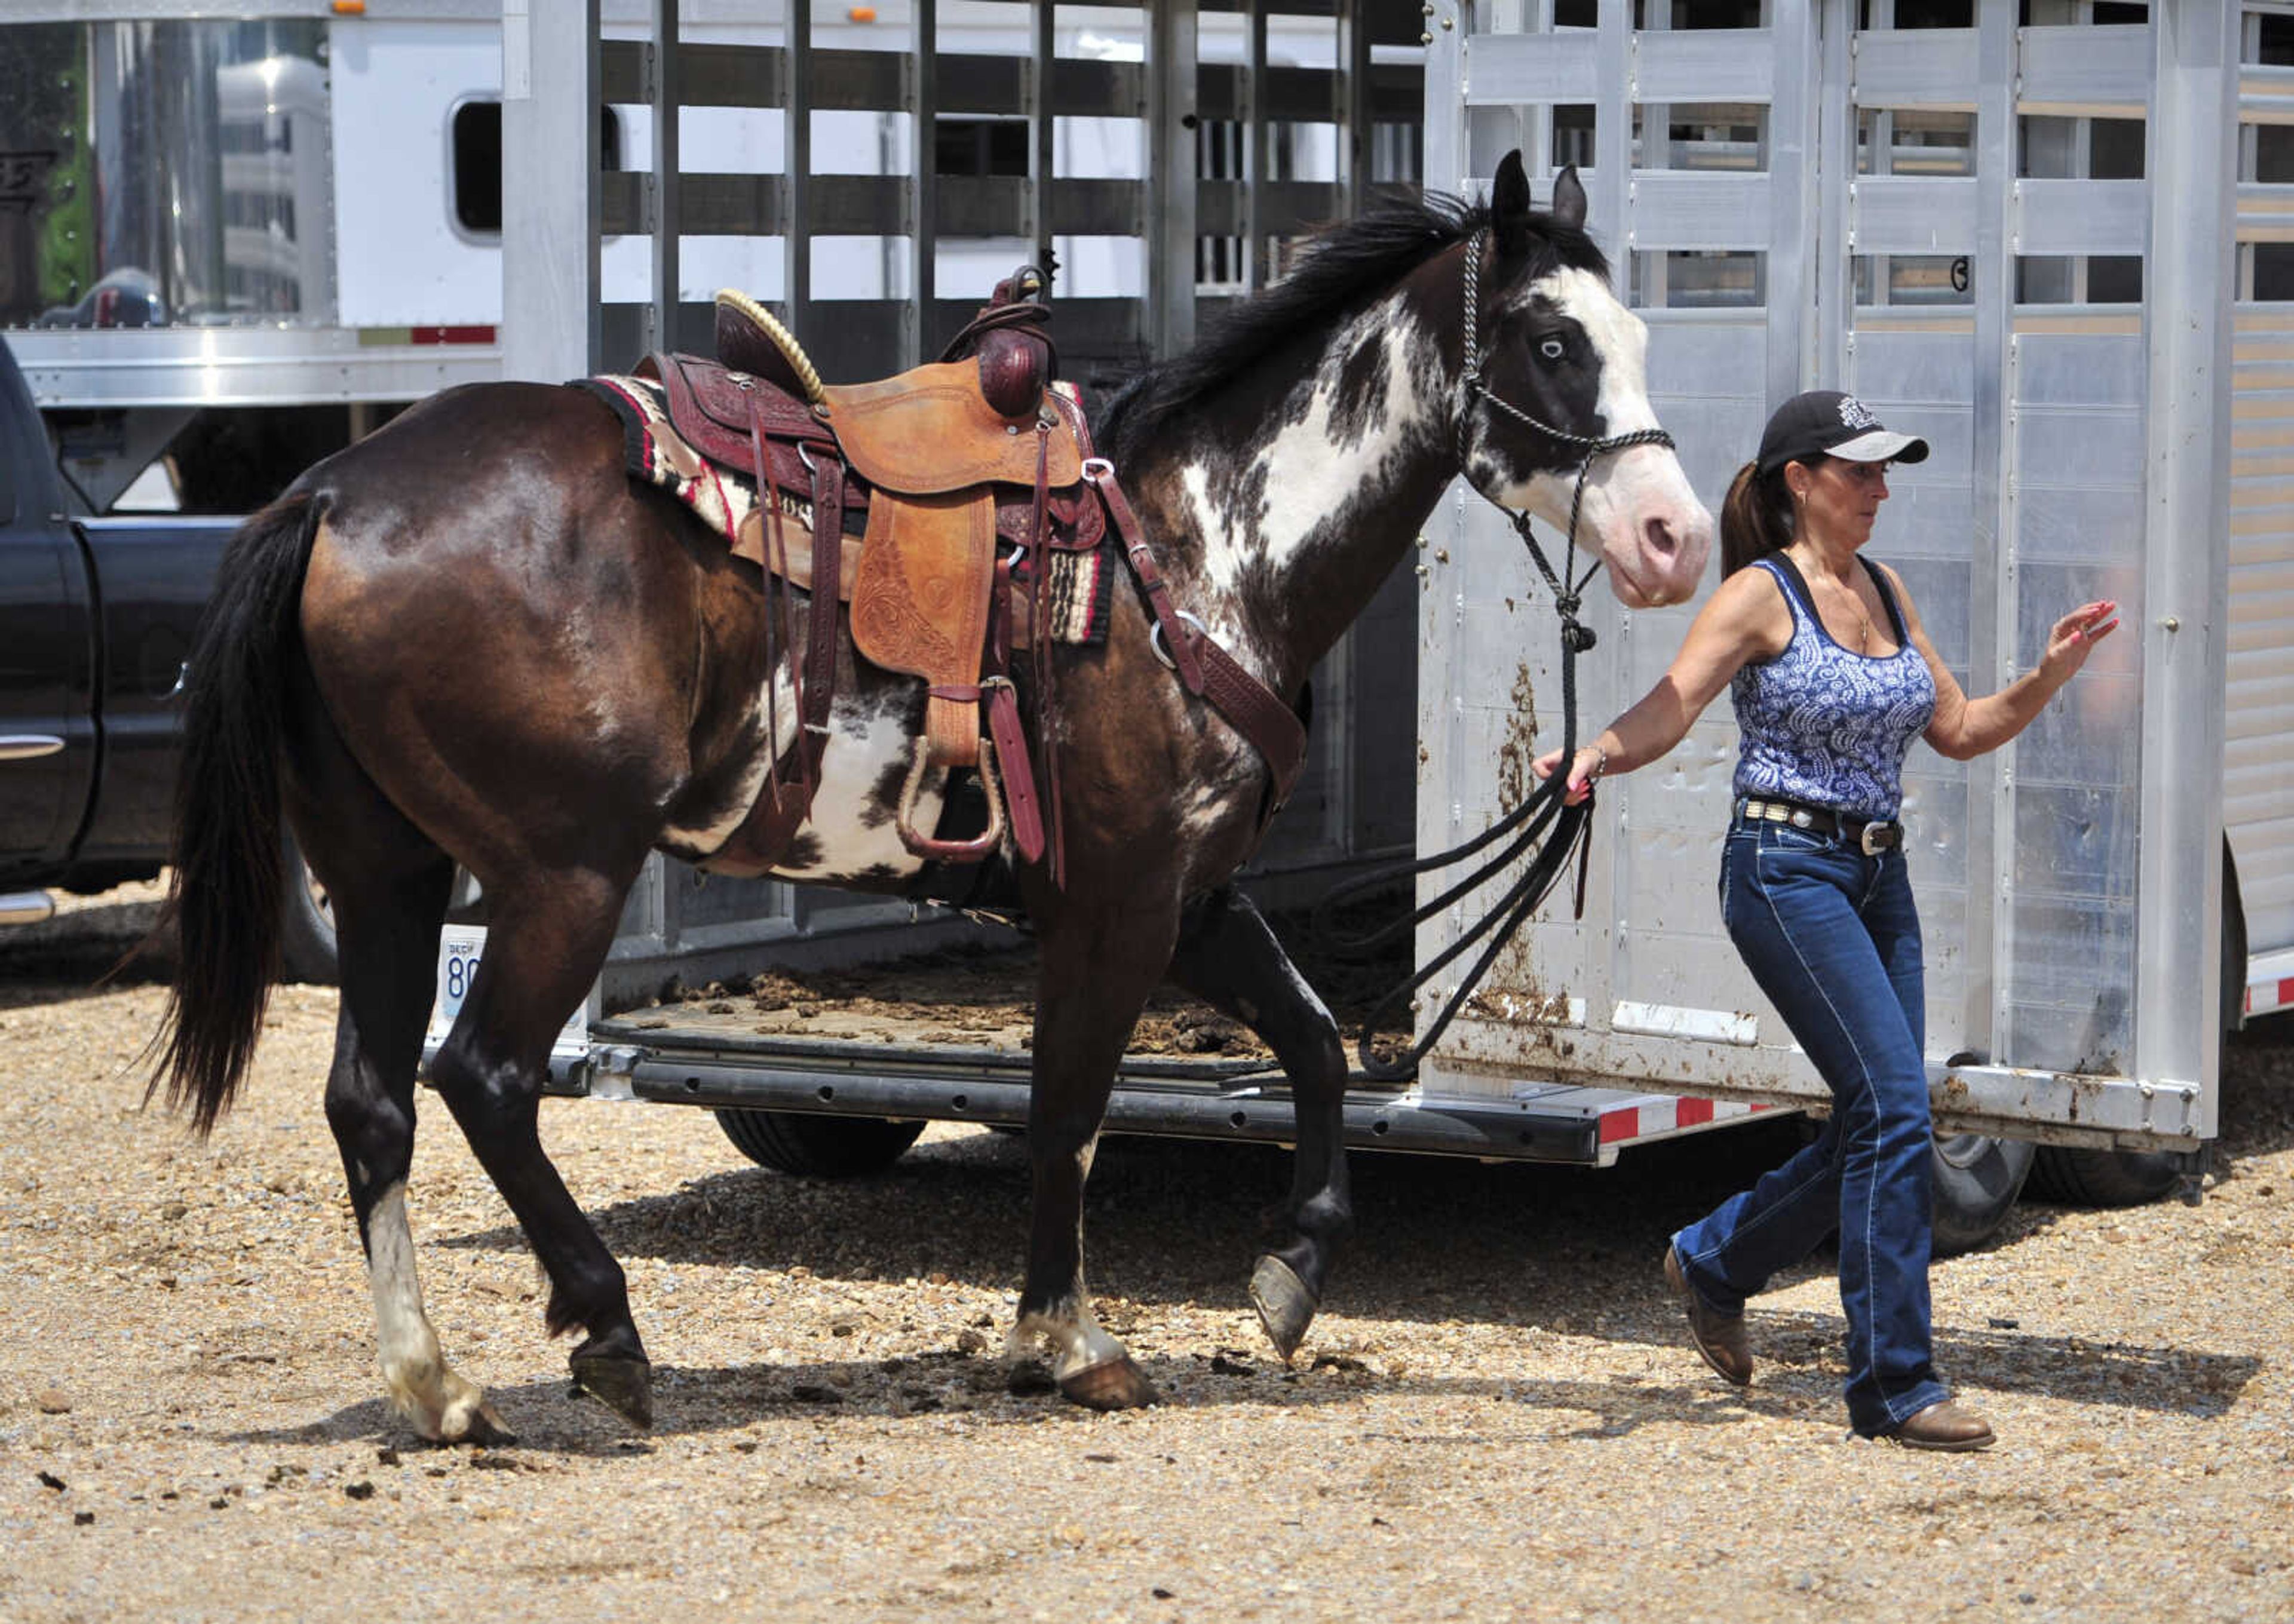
<point>459,949</point>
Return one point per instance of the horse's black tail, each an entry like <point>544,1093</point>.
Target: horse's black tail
<point>223,900</point>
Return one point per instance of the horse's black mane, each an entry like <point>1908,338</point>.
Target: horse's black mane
<point>1344,267</point>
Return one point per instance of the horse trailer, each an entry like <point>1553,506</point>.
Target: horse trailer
<point>2008,224</point>
<point>2050,239</point>
<point>294,215</point>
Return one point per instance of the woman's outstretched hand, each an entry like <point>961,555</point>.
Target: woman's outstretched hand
<point>1583,768</point>
<point>2074,636</point>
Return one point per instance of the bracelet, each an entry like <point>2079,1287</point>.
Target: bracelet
<point>1600,764</point>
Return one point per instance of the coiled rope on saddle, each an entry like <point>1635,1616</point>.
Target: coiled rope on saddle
<point>1551,831</point>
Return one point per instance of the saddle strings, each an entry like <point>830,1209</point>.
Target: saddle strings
<point>1556,831</point>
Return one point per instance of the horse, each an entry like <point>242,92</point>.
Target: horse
<point>471,639</point>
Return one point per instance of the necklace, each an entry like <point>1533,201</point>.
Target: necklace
<point>1856,601</point>
<point>1863,621</point>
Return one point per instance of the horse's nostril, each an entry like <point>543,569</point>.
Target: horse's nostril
<point>1657,536</point>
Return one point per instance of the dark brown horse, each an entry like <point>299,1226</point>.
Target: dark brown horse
<point>471,639</point>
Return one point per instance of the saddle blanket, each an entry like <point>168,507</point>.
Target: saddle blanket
<point>725,500</point>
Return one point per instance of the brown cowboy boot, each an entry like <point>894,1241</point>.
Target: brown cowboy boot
<point>1943,1426</point>
<point>1719,1337</point>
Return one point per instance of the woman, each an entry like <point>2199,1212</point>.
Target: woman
<point>1831,677</point>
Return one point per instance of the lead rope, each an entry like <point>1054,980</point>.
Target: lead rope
<point>1555,831</point>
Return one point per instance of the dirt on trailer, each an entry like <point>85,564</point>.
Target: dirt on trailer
<point>984,996</point>
<point>1497,1414</point>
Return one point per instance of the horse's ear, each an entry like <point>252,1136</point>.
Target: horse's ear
<point>1509,206</point>
<point>1569,200</point>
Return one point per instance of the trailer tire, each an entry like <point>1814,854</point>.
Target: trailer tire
<point>2079,1176</point>
<point>817,1147</point>
<point>1977,1179</point>
<point>306,921</point>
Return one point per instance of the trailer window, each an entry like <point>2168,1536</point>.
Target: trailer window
<point>1702,135</point>
<point>2275,45</point>
<point>981,146</point>
<point>1698,278</point>
<point>476,162</point>
<point>1914,141</point>
<point>1923,279</point>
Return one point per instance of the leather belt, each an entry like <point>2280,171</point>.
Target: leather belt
<point>1870,836</point>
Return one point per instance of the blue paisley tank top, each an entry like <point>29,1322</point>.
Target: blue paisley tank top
<point>1822,724</point>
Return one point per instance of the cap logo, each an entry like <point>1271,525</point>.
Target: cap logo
<point>1856,415</point>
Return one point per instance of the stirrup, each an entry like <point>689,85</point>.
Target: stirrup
<point>952,851</point>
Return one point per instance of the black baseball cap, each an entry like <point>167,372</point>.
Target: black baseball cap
<point>1827,423</point>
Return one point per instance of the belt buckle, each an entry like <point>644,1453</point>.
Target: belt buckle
<point>1872,848</point>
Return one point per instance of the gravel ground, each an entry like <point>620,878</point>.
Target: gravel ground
<point>1496,1416</point>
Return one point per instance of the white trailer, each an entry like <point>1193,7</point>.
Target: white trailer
<point>2015,238</point>
<point>217,215</point>
<point>2022,241</point>
<point>300,203</point>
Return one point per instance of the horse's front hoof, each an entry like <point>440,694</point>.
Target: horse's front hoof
<point>1286,1308</point>
<point>622,1384</point>
<point>1115,1384</point>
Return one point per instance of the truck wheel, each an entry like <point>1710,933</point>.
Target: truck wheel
<point>2079,1176</point>
<point>306,922</point>
<point>817,1147</point>
<point>1977,1179</point>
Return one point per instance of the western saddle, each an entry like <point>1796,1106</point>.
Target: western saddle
<point>932,469</point>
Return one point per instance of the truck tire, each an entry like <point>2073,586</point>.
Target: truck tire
<point>817,1147</point>
<point>306,922</point>
<point>1977,1179</point>
<point>2079,1176</point>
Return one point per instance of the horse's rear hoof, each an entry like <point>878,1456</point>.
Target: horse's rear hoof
<point>1116,1384</point>
<point>1286,1308</point>
<point>482,1426</point>
<point>623,1385</point>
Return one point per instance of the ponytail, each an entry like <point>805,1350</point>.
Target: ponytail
<point>1755,520</point>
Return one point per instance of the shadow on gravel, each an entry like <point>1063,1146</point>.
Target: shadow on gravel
<point>551,1417</point>
<point>70,955</point>
<point>1523,1252</point>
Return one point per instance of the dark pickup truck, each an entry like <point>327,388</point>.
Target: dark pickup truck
<point>96,619</point>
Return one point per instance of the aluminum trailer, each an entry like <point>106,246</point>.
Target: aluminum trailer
<point>296,204</point>
<point>2023,243</point>
<point>1218,133</point>
<point>1952,214</point>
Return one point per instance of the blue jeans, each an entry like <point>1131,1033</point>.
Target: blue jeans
<point>1833,940</point>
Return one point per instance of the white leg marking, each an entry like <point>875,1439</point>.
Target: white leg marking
<point>442,1405</point>
<point>1068,1330</point>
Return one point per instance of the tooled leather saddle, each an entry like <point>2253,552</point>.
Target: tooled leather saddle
<point>932,470</point>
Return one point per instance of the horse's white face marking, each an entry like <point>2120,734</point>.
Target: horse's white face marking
<point>1639,513</point>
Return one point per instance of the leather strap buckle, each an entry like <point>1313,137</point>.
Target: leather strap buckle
<point>1155,638</point>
